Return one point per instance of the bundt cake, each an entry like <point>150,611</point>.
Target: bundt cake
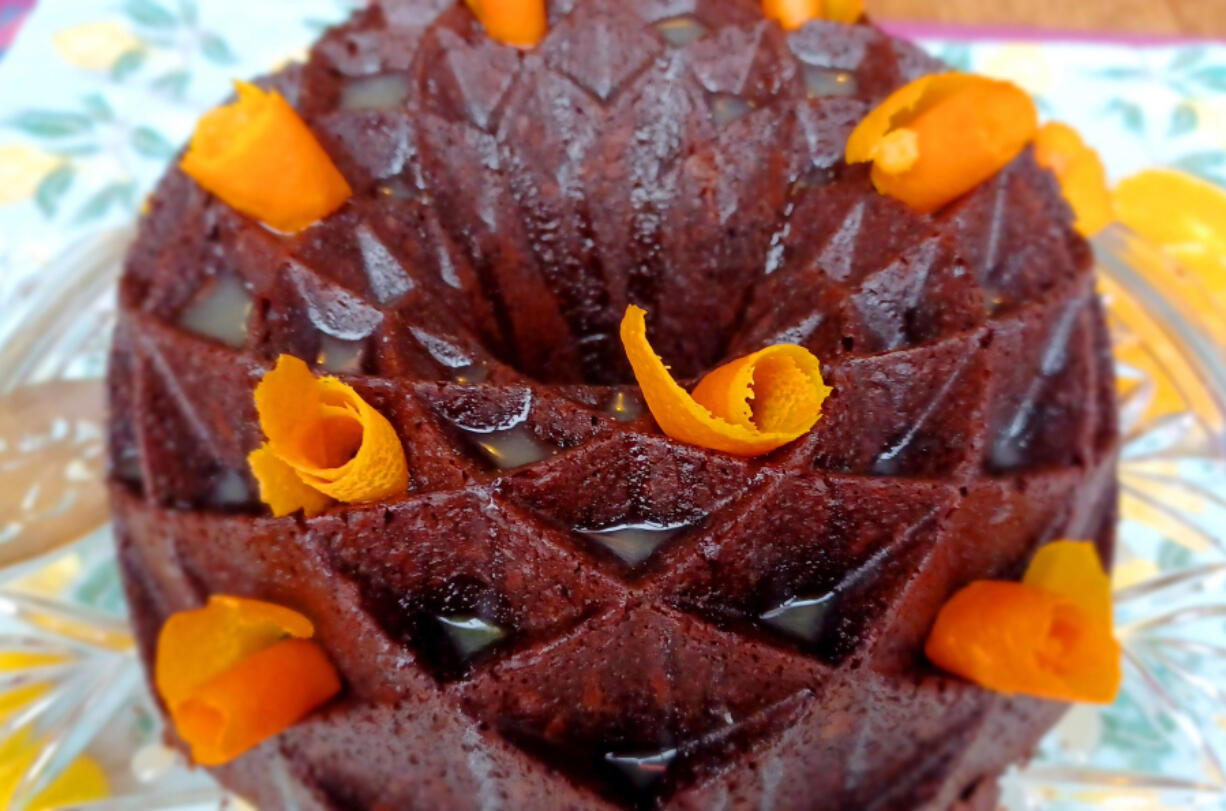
<point>565,608</point>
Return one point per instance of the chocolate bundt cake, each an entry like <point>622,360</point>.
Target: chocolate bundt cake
<point>568,609</point>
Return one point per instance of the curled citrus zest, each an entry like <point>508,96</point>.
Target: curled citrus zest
<point>519,23</point>
<point>843,11</point>
<point>1048,636</point>
<point>1083,179</point>
<point>259,697</point>
<point>966,128</point>
<point>333,441</point>
<point>194,646</point>
<point>1015,638</point>
<point>783,382</point>
<point>1072,570</point>
<point>259,157</point>
<point>792,14</point>
<point>280,487</point>
<point>238,671</point>
<point>898,151</point>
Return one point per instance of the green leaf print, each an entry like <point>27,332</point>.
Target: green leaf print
<point>51,123</point>
<point>149,14</point>
<point>1187,58</point>
<point>1183,120</point>
<point>104,199</point>
<point>97,107</point>
<point>1121,73</point>
<point>1173,556</point>
<point>1213,78</point>
<point>173,84</point>
<point>53,188</point>
<point>128,63</point>
<point>216,50</point>
<point>1205,164</point>
<point>151,144</point>
<point>1129,112</point>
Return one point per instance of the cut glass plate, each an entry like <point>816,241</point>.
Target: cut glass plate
<point>74,708</point>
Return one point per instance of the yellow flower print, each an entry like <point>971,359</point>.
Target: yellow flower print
<point>22,168</point>
<point>1023,64</point>
<point>95,46</point>
<point>1211,118</point>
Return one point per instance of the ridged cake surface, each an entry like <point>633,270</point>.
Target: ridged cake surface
<point>567,609</point>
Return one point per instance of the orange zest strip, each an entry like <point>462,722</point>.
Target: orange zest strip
<point>843,11</point>
<point>238,671</point>
<point>519,23</point>
<point>938,137</point>
<point>783,382</point>
<point>280,487</point>
<point>1083,179</point>
<point>1072,570</point>
<point>258,156</point>
<point>330,438</point>
<point>792,14</point>
<point>1049,636</point>
<point>262,695</point>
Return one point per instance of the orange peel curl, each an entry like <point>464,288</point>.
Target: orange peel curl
<point>518,23</point>
<point>748,407</point>
<point>938,137</point>
<point>792,14</point>
<point>323,439</point>
<point>237,672</point>
<point>1081,173</point>
<point>1048,636</point>
<point>258,156</point>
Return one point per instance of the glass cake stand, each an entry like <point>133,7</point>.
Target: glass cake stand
<point>75,714</point>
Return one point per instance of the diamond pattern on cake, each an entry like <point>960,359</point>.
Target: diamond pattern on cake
<point>749,62</point>
<point>598,46</point>
<point>466,76</point>
<point>652,484</point>
<point>806,540</point>
<point>577,699</point>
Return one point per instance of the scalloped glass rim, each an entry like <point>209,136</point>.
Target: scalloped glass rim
<point>63,633</point>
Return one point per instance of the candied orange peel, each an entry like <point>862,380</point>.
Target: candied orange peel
<point>237,672</point>
<point>1081,173</point>
<point>258,156</point>
<point>938,137</point>
<point>748,407</point>
<point>324,442</point>
<point>792,14</point>
<point>1049,636</point>
<point>519,23</point>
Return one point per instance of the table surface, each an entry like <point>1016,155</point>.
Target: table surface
<point>1161,17</point>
